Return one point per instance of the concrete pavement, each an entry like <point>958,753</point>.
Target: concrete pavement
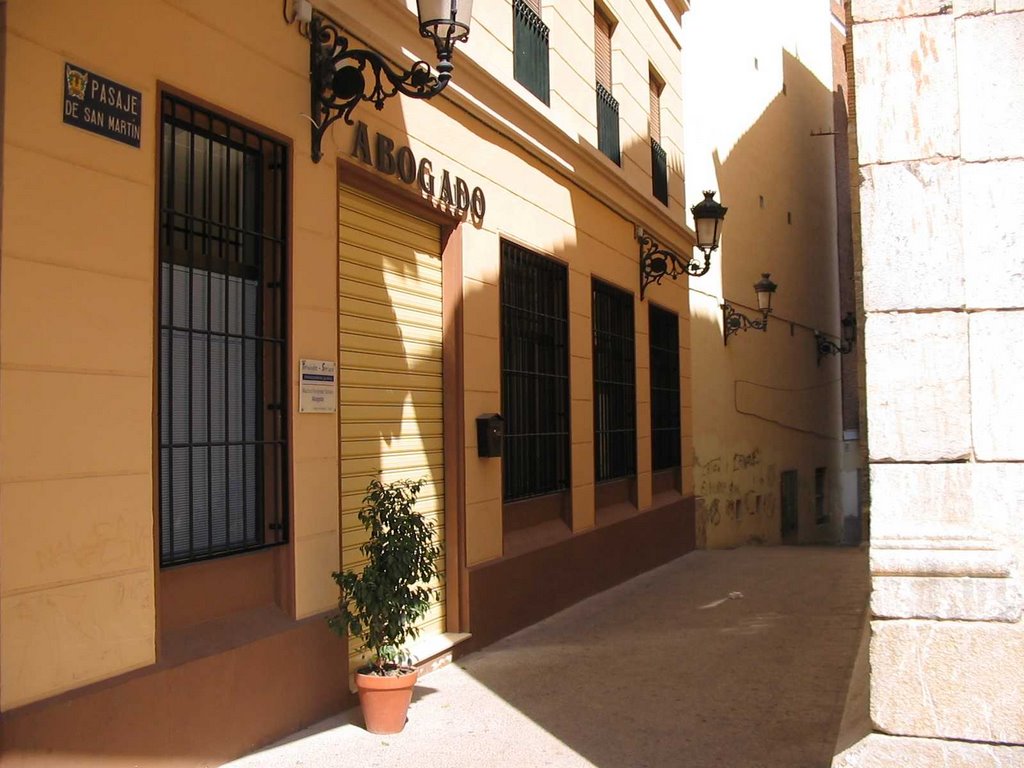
<point>731,659</point>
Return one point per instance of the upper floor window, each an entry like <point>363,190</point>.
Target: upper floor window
<point>614,382</point>
<point>222,358</point>
<point>659,160</point>
<point>665,414</point>
<point>530,67</point>
<point>607,106</point>
<point>534,373</point>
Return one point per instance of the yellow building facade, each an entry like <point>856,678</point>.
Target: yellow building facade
<point>180,282</point>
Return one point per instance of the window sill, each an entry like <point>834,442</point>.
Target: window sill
<point>667,480</point>
<point>615,500</point>
<point>222,634</point>
<point>437,651</point>
<point>666,498</point>
<point>617,511</point>
<point>614,513</point>
<point>535,537</point>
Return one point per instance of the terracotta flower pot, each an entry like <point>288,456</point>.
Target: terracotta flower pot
<point>385,700</point>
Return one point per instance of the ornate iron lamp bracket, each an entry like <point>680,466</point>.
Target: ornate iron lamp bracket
<point>825,346</point>
<point>340,77</point>
<point>657,262</point>
<point>734,322</point>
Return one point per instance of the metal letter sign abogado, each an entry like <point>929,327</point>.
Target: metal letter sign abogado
<point>399,161</point>
<point>101,106</point>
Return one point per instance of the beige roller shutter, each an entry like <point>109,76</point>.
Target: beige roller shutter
<point>603,49</point>
<point>655,109</point>
<point>390,386</point>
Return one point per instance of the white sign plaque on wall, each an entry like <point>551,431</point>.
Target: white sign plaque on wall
<point>318,386</point>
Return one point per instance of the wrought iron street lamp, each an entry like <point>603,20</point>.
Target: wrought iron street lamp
<point>826,346</point>
<point>657,262</point>
<point>340,77</point>
<point>735,321</point>
<point>708,217</point>
<point>764,289</point>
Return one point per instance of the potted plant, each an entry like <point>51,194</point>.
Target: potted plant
<point>380,604</point>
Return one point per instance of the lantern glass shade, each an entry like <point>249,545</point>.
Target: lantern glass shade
<point>765,289</point>
<point>708,231</point>
<point>849,328</point>
<point>445,21</point>
<point>708,216</point>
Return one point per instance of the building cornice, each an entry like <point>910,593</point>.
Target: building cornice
<point>497,105</point>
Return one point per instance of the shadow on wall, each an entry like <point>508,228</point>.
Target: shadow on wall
<point>562,682</point>
<point>767,405</point>
<point>153,715</point>
<point>391,385</point>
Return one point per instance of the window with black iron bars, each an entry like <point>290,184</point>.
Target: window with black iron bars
<point>614,382</point>
<point>531,66</point>
<point>665,413</point>
<point>222,357</point>
<point>534,373</point>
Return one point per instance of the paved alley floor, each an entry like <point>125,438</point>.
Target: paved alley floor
<point>731,659</point>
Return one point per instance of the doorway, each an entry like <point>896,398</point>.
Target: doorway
<point>790,510</point>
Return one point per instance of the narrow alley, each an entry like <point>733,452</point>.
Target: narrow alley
<point>738,658</point>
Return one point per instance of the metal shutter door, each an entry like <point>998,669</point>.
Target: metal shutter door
<point>390,383</point>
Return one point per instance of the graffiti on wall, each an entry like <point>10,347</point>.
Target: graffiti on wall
<point>732,489</point>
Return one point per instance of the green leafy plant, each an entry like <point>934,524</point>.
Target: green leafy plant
<point>380,604</point>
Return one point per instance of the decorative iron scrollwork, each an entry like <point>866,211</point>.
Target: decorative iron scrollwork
<point>824,346</point>
<point>657,262</point>
<point>341,77</point>
<point>735,322</point>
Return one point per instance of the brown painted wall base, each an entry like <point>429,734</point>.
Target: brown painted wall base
<point>200,713</point>
<point>220,706</point>
<point>517,591</point>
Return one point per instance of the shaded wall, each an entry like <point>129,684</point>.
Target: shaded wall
<point>760,133</point>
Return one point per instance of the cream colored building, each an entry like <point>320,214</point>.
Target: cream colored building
<point>180,278</point>
<point>775,457</point>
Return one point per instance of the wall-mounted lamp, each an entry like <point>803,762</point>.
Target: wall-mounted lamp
<point>340,77</point>
<point>735,322</point>
<point>826,346</point>
<point>657,262</point>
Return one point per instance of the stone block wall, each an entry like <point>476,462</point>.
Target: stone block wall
<point>939,104</point>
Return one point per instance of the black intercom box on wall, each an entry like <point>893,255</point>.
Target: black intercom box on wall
<point>490,434</point>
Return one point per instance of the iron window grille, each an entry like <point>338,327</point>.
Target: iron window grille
<point>531,65</point>
<point>659,172</point>
<point>608,124</point>
<point>614,383</point>
<point>222,370</point>
<point>665,414</point>
<point>534,373</point>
